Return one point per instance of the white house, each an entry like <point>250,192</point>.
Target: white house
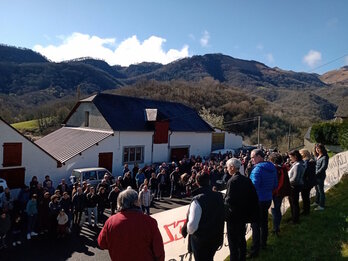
<point>110,130</point>
<point>21,159</point>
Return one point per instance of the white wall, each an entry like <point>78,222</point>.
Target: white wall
<point>96,120</point>
<point>114,144</point>
<point>90,157</point>
<point>233,141</point>
<point>160,153</point>
<point>199,143</point>
<point>35,161</point>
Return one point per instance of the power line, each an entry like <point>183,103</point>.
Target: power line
<point>334,60</point>
<point>230,123</point>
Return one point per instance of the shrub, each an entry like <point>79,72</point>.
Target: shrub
<point>343,135</point>
<point>326,133</point>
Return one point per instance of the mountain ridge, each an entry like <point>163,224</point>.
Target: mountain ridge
<point>28,79</point>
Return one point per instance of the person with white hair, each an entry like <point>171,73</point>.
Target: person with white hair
<point>241,207</point>
<point>129,234</point>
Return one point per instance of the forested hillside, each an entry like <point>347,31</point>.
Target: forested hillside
<point>32,87</point>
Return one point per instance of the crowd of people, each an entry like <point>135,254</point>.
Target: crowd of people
<point>252,186</point>
<point>42,208</point>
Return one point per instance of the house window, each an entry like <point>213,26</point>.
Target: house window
<point>86,118</point>
<point>12,154</point>
<point>218,141</point>
<point>133,154</point>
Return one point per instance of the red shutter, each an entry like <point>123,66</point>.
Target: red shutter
<point>161,132</point>
<point>12,154</point>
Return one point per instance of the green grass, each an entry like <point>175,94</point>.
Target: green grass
<point>26,125</point>
<point>322,235</point>
<point>331,154</point>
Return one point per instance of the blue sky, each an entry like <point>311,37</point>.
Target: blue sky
<point>293,35</point>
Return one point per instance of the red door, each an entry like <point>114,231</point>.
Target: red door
<point>179,153</point>
<point>105,160</point>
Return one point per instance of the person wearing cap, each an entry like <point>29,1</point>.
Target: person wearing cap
<point>241,207</point>
<point>129,234</point>
<point>265,180</point>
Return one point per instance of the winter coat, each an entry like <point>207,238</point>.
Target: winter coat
<point>296,174</point>
<point>283,188</point>
<point>79,202</point>
<point>309,178</point>
<point>31,208</point>
<point>321,166</point>
<point>264,177</point>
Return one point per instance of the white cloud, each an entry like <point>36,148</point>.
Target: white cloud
<point>129,51</point>
<point>270,58</point>
<point>346,60</point>
<point>312,59</point>
<point>205,39</point>
<point>259,47</point>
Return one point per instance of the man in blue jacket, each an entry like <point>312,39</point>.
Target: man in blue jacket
<point>264,178</point>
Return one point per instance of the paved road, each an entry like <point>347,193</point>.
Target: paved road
<point>74,247</point>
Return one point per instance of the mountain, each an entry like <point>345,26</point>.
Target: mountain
<point>226,69</point>
<point>20,55</point>
<point>338,77</point>
<point>28,81</point>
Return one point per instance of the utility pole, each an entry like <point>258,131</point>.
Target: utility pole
<point>289,137</point>
<point>78,92</point>
<point>258,130</point>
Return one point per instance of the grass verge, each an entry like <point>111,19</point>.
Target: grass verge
<point>323,235</point>
<point>26,125</point>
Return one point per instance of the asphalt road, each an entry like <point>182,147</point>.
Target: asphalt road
<point>74,247</point>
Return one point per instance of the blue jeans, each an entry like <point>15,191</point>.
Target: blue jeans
<point>276,212</point>
<point>320,194</point>
<point>95,213</point>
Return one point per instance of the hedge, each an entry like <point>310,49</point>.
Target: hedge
<point>331,133</point>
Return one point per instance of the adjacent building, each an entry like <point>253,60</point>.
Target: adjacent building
<point>109,131</point>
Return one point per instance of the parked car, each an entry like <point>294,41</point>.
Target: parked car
<point>222,152</point>
<point>93,176</point>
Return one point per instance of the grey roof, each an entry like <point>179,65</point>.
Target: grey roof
<point>65,143</point>
<point>124,113</point>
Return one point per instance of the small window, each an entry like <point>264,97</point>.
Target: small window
<point>86,176</point>
<point>86,118</point>
<point>93,175</point>
<point>12,154</point>
<point>133,154</point>
<point>101,174</point>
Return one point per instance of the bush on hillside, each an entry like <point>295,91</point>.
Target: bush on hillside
<point>331,133</point>
<point>343,135</point>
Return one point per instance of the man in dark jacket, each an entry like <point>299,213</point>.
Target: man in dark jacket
<point>79,203</point>
<point>241,207</point>
<point>205,222</point>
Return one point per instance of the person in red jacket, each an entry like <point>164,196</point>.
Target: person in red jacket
<point>129,234</point>
<point>281,191</point>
